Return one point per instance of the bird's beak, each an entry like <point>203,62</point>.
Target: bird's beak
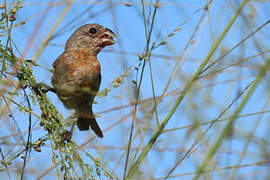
<point>107,38</point>
<point>110,33</point>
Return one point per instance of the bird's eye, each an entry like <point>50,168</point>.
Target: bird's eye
<point>93,30</point>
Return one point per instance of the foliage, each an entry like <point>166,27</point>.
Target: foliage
<point>185,91</point>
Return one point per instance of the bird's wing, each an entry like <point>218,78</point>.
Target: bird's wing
<point>76,69</point>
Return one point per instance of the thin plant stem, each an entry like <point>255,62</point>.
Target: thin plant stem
<point>187,88</point>
<point>230,123</point>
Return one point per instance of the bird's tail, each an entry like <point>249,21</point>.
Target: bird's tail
<point>83,124</point>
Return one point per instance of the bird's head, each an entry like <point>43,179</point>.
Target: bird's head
<point>93,37</point>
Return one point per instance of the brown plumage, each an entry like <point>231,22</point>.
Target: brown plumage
<point>77,77</point>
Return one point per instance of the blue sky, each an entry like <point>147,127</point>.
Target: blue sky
<point>203,103</point>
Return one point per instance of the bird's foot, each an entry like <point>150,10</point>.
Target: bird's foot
<point>66,136</point>
<point>45,88</point>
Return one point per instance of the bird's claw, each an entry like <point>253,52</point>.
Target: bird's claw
<point>45,88</point>
<point>66,136</point>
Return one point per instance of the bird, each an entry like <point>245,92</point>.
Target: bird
<point>77,72</point>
